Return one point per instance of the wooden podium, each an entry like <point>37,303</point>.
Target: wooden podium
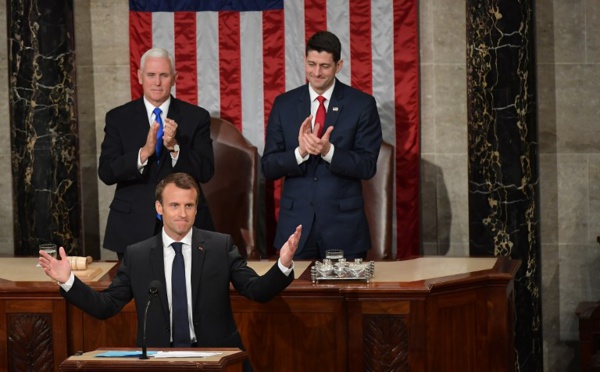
<point>428,314</point>
<point>229,360</point>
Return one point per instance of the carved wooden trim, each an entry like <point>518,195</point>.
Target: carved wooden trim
<point>30,342</point>
<point>385,339</point>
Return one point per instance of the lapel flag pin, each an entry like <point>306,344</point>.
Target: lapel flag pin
<point>201,248</point>
<point>335,108</point>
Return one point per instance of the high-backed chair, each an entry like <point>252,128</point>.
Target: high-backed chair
<point>379,201</point>
<point>232,191</point>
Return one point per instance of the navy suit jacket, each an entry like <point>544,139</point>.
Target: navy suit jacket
<point>132,215</point>
<point>216,263</point>
<point>331,192</point>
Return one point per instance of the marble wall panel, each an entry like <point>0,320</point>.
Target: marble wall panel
<point>3,38</point>
<point>87,110</point>
<point>547,108</point>
<point>110,18</point>
<point>548,199</point>
<point>579,281</point>
<point>559,355</point>
<point>569,30</point>
<point>89,200</point>
<point>449,31</point>
<point>429,211</point>
<point>44,125</point>
<point>112,89</point>
<point>572,174</point>
<point>426,31</point>
<point>104,69</point>
<point>105,196</point>
<point>6,207</point>
<point>83,33</point>
<point>436,211</point>
<point>87,127</point>
<point>592,31</point>
<point>577,108</point>
<point>427,109</point>
<point>450,109</point>
<point>453,220</point>
<point>544,33</point>
<point>594,198</point>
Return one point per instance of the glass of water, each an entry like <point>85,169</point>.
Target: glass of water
<point>49,248</point>
<point>334,254</point>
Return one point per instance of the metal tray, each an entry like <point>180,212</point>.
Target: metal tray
<point>342,271</point>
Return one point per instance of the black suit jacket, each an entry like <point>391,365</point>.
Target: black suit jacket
<point>132,216</point>
<point>216,263</point>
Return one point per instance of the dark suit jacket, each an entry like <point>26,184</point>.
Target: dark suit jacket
<point>216,263</point>
<point>132,216</point>
<point>331,192</point>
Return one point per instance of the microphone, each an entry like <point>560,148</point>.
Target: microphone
<point>152,292</point>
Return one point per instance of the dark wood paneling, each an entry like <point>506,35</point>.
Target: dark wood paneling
<point>459,323</point>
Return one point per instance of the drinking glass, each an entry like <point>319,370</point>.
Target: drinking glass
<point>49,248</point>
<point>334,254</point>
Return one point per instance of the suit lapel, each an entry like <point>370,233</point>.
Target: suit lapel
<point>198,255</point>
<point>335,106</point>
<point>140,122</point>
<point>303,105</point>
<point>157,264</point>
<point>174,110</point>
<point>165,156</point>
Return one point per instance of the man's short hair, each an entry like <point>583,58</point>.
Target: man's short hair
<point>181,180</point>
<point>157,53</point>
<point>325,41</point>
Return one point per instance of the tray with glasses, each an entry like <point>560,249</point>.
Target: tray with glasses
<point>339,269</point>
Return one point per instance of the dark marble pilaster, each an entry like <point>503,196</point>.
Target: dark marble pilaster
<point>503,155</point>
<point>43,119</point>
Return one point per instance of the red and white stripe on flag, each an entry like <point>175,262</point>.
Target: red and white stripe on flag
<point>234,57</point>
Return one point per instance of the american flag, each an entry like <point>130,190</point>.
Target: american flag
<point>234,57</point>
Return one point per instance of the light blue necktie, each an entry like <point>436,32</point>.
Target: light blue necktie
<point>181,325</point>
<point>159,134</point>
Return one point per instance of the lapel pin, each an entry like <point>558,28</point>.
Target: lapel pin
<point>335,108</point>
<point>201,248</point>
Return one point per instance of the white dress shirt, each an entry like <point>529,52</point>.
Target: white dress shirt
<point>314,105</point>
<point>169,256</point>
<point>151,119</point>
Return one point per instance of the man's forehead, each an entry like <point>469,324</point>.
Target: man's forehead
<point>173,190</point>
<point>157,64</point>
<point>319,57</point>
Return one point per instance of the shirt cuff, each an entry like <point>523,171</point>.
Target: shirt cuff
<point>141,165</point>
<point>285,270</point>
<point>329,154</point>
<point>174,158</point>
<point>66,286</point>
<point>299,158</point>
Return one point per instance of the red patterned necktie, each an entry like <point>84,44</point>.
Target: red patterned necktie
<point>320,117</point>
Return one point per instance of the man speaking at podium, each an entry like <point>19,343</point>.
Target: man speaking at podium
<point>194,268</point>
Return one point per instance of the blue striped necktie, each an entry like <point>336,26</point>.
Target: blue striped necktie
<point>159,134</point>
